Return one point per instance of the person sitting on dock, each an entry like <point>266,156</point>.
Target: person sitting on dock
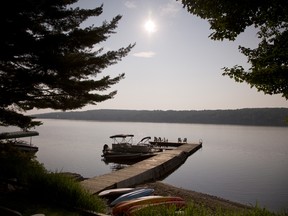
<point>185,140</point>
<point>179,140</point>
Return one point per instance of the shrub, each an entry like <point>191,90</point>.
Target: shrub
<point>17,164</point>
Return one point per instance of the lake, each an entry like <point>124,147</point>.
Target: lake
<point>246,164</point>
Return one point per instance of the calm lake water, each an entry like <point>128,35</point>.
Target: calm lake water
<point>245,164</point>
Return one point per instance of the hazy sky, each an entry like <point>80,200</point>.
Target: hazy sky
<point>174,64</point>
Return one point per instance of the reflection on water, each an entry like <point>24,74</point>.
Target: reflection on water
<point>117,166</point>
<point>241,163</point>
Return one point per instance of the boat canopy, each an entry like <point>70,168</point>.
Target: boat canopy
<point>18,134</point>
<point>121,136</point>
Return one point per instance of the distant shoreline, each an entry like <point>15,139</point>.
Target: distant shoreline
<point>246,116</point>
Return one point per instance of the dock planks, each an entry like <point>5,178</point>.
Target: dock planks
<point>154,168</point>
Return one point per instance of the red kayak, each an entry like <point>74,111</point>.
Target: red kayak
<point>167,204</point>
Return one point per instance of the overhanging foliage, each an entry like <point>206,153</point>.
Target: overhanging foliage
<point>269,61</point>
<point>48,61</point>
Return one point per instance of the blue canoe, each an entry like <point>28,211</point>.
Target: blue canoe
<point>132,195</point>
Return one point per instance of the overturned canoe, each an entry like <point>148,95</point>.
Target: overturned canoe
<point>132,195</point>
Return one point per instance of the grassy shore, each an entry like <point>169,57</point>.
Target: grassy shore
<point>26,186</point>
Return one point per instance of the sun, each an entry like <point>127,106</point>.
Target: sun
<point>150,26</point>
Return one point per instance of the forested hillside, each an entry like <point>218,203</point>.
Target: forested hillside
<point>249,116</point>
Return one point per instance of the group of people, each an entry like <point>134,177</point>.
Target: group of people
<point>184,140</point>
<point>159,139</point>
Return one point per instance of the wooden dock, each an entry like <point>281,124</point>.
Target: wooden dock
<point>151,169</point>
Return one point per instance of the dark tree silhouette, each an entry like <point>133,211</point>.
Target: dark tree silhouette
<point>47,59</point>
<point>269,61</point>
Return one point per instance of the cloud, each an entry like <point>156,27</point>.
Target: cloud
<point>130,4</point>
<point>171,8</point>
<point>148,54</point>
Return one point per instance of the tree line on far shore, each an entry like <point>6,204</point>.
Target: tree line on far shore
<point>247,116</point>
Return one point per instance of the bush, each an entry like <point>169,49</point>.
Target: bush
<point>15,164</point>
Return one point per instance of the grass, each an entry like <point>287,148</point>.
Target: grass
<point>198,210</point>
<point>65,191</point>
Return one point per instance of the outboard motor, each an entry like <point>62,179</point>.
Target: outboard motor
<point>105,149</point>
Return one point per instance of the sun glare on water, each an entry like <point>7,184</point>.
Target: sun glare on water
<point>150,26</point>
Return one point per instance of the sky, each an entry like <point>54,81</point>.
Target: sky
<point>174,65</point>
